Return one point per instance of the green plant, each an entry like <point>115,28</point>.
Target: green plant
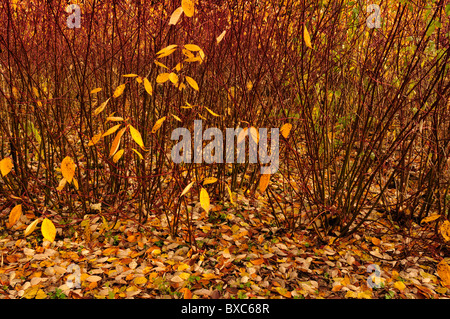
<point>57,294</point>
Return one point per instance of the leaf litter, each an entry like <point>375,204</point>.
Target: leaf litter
<point>238,254</point>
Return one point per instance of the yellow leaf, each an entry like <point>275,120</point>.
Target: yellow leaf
<point>166,49</point>
<point>230,194</point>
<point>220,37</point>
<point>160,64</point>
<point>75,183</point>
<point>284,292</point>
<point>15,92</point>
<point>131,75</point>
<point>182,266</point>
<point>94,140</point>
<point>6,165</point>
<point>204,199</point>
<point>211,112</point>
<point>111,130</point>
<point>307,37</point>
<point>140,280</point>
<point>148,86</point>
<point>179,66</point>
<point>162,77</point>
<point>118,155</point>
<point>188,7</point>
<point>158,124</point>
<point>192,47</point>
<point>184,275</point>
<point>68,168</point>
<point>264,182</point>
<point>31,227</point>
<point>285,130</point>
<point>96,90</point>
<point>136,136</point>
<point>176,118</point>
<point>209,180</point>
<point>399,285</point>
<point>430,218</point>
<point>101,107</point>
<point>114,118</point>
<point>61,185</point>
<point>445,230</point>
<point>192,82</point>
<point>173,78</point>
<point>201,55</point>
<point>175,16</point>
<point>443,270</point>
<point>34,292</point>
<point>187,188</point>
<point>139,154</point>
<point>166,53</point>
<point>139,79</point>
<point>116,142</point>
<point>48,230</point>
<point>14,215</point>
<point>36,92</point>
<point>119,90</point>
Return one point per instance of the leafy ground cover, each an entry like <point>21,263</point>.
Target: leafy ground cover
<point>239,253</point>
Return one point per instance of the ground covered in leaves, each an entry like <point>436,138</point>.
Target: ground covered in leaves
<point>238,254</point>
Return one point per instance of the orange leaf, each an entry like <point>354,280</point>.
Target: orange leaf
<point>158,124</point>
<point>264,182</point>
<point>119,90</point>
<point>116,142</point>
<point>376,241</point>
<point>6,165</point>
<point>307,37</point>
<point>443,270</point>
<point>14,215</point>
<point>188,7</point>
<point>187,294</point>
<point>68,168</point>
<point>285,130</point>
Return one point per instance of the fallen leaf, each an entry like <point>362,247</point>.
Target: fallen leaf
<point>430,218</point>
<point>48,230</point>
<point>14,215</point>
<point>443,270</point>
<point>399,285</point>
<point>445,230</point>
<point>31,227</point>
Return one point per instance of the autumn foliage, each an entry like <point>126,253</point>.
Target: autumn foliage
<point>86,116</point>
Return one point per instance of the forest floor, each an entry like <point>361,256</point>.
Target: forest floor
<point>239,254</point>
